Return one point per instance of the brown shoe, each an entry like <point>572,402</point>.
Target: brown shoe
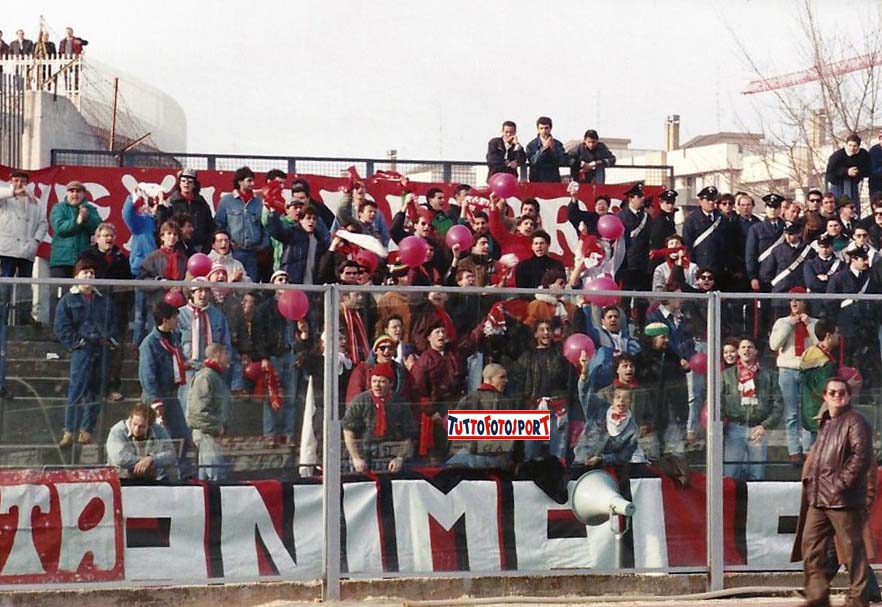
<point>66,439</point>
<point>85,438</point>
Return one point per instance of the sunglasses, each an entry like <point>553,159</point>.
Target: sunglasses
<point>877,214</point>
<point>705,277</point>
<point>726,204</point>
<point>861,235</point>
<point>385,347</point>
<point>814,200</point>
<point>837,392</point>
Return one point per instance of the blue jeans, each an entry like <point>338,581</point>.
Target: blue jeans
<point>556,445</point>
<point>283,420</point>
<point>143,318</point>
<point>743,459</point>
<point>798,438</point>
<point>249,260</point>
<point>697,385</point>
<point>474,460</point>
<point>211,457</point>
<point>87,375</point>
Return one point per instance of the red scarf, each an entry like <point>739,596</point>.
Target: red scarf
<point>171,264</point>
<point>211,364</point>
<point>200,330</point>
<point>246,196</point>
<point>427,436</point>
<point>180,368</point>
<point>268,382</point>
<point>826,352</point>
<point>484,387</point>
<point>380,417</point>
<point>799,338</point>
<point>618,382</point>
<point>356,335</point>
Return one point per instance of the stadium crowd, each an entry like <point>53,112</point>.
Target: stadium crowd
<point>408,357</point>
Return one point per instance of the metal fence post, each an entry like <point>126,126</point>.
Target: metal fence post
<point>714,478</point>
<point>331,488</point>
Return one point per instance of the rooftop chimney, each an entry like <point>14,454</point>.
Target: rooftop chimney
<point>672,133</point>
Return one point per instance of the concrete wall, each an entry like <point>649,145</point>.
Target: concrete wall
<point>53,123</point>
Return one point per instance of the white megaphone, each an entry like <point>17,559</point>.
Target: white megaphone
<point>596,499</point>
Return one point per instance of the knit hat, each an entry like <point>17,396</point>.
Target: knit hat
<point>383,370</point>
<point>382,339</point>
<point>798,290</point>
<point>276,274</point>
<point>656,328</point>
<point>218,267</point>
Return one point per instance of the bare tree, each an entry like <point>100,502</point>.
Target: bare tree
<point>808,113</point>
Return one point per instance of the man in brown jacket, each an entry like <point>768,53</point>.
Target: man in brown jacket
<point>834,489</point>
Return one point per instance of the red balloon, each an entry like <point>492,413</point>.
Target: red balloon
<point>174,298</point>
<point>504,185</point>
<point>293,305</point>
<point>460,235</point>
<point>199,265</point>
<point>368,260</point>
<point>574,345</point>
<point>601,283</point>
<point>609,226</point>
<point>412,251</point>
<point>698,363</point>
<point>253,371</point>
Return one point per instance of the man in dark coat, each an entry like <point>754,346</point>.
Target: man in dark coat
<point>834,497</point>
<point>529,273</point>
<point>703,232</point>
<point>635,274</point>
<point>505,154</point>
<point>188,200</point>
<point>847,167</point>
<point>590,160</point>
<point>546,154</point>
<point>663,224</point>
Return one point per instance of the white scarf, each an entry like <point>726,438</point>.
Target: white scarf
<point>614,428</point>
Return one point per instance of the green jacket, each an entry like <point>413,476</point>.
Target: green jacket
<point>767,411</point>
<point>207,400</point>
<point>69,238</point>
<point>814,371</point>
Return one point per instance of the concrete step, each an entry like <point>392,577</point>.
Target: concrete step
<point>27,366</point>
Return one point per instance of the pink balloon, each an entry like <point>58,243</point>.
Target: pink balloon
<point>698,363</point>
<point>293,305</point>
<point>459,235</point>
<point>412,251</point>
<point>504,185</point>
<point>609,226</point>
<point>368,260</point>
<point>601,283</point>
<point>574,345</point>
<point>175,298</point>
<point>199,265</point>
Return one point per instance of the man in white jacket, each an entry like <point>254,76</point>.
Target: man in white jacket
<point>791,336</point>
<point>22,227</point>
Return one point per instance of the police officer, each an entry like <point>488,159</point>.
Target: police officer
<point>634,274</point>
<point>704,234</point>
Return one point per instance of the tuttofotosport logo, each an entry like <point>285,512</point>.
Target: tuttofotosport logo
<point>495,425</point>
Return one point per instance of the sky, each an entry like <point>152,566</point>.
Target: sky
<point>435,79</point>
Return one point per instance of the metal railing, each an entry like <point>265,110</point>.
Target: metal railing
<point>12,111</point>
<point>448,171</point>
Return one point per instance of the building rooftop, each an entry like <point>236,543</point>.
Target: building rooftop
<point>723,137</point>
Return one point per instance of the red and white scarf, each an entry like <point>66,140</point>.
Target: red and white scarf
<point>200,330</point>
<point>180,368</point>
<point>357,336</point>
<point>800,335</point>
<point>747,383</point>
<point>268,384</point>
<point>615,422</point>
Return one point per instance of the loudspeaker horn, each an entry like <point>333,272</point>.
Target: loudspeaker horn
<point>596,499</point>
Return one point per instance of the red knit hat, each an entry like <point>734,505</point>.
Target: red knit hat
<point>383,370</point>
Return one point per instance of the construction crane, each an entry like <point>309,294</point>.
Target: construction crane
<point>817,72</point>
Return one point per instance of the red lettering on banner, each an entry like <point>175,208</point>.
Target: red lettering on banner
<point>60,526</point>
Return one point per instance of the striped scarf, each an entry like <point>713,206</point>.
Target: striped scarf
<point>200,331</point>
<point>180,368</point>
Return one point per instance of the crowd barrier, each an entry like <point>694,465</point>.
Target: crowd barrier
<point>289,505</point>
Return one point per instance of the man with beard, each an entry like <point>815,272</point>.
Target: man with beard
<point>539,381</point>
<point>141,448</point>
<point>187,200</point>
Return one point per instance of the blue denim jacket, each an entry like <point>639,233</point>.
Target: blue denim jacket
<point>243,221</point>
<point>156,367</point>
<point>78,319</point>
<point>220,333</point>
<point>143,239</point>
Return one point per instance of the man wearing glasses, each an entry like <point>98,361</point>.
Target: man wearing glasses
<point>875,228</point>
<point>187,199</point>
<point>834,497</point>
<point>861,238</point>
